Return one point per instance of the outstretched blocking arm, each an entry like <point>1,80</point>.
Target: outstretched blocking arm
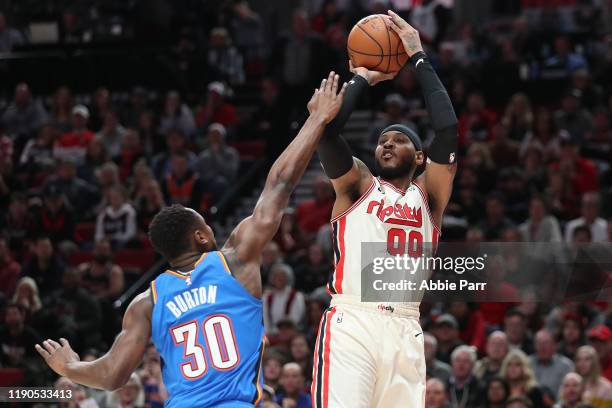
<point>441,165</point>
<point>112,370</point>
<point>249,238</point>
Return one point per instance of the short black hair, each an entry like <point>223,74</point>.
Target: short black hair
<point>516,312</point>
<point>169,230</point>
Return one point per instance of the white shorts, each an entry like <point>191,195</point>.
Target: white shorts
<point>368,355</point>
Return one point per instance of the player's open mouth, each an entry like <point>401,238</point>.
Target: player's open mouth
<point>387,155</point>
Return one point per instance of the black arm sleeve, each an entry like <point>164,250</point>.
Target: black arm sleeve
<point>334,152</point>
<point>442,149</point>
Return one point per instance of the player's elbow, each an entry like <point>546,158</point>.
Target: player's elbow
<point>115,380</point>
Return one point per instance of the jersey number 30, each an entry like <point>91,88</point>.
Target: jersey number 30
<point>220,343</point>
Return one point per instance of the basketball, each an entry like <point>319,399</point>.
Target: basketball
<point>374,45</point>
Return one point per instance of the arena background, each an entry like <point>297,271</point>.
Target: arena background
<point>111,109</point>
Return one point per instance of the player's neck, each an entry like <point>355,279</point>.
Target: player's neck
<point>185,262</point>
<point>401,183</point>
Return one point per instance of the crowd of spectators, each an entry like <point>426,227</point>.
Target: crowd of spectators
<point>82,175</point>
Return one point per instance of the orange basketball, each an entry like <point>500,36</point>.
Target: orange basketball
<point>374,45</point>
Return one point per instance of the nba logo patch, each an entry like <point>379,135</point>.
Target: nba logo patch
<point>451,157</point>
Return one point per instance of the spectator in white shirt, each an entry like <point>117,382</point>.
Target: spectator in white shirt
<point>590,218</point>
<point>118,220</point>
<point>281,300</point>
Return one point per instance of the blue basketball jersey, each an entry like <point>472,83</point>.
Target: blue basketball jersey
<point>209,332</point>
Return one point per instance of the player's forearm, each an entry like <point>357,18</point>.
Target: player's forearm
<point>95,374</point>
<point>334,152</point>
<point>444,121</point>
<point>291,164</point>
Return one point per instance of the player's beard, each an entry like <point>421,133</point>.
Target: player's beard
<point>392,173</point>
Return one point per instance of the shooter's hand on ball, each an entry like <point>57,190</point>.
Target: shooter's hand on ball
<point>408,34</point>
<point>326,101</point>
<point>57,356</point>
<point>373,77</point>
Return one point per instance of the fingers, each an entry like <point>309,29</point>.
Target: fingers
<point>351,67</point>
<point>397,19</point>
<point>44,353</point>
<point>64,342</point>
<point>395,27</point>
<point>54,343</point>
<point>342,91</point>
<point>330,82</point>
<point>323,82</point>
<point>334,89</point>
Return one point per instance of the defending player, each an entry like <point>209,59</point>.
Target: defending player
<point>371,354</point>
<point>205,314</point>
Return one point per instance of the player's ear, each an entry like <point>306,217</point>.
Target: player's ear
<point>200,237</point>
<point>419,158</point>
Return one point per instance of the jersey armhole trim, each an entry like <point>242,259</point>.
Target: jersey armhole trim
<point>356,203</point>
<point>426,201</point>
<point>224,262</point>
<point>153,292</point>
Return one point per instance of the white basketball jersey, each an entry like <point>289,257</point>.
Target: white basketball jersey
<point>383,215</point>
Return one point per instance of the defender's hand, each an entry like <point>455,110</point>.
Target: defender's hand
<point>326,101</point>
<point>373,77</point>
<point>57,356</point>
<point>407,33</point>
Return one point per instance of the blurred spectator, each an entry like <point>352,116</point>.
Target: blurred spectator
<point>117,222</point>
<point>107,177</point>
<point>80,194</point>
<point>446,330</point>
<point>24,115</point>
<point>223,58</point>
<point>183,185</point>
<point>515,327</point>
<point>518,118</point>
<point>572,335</point>
<point>73,30</point>
<point>45,266</point>
<point>431,18</point>
<point>313,271</point>
<point>38,152</point>
<point>268,122</point>
<point>248,31</point>
<point>54,218</point>
<point>17,339</point>
<point>9,37</point>
<point>495,217</point>
<point>393,114</point>
<point>216,109</point>
<point>150,139</point>
<point>600,337</point>
<point>272,368</point>
<point>135,108</point>
<point>101,277</point>
<point>597,144</point>
<point>149,203</point>
<point>292,381</point>
<point>270,256</point>
<point>302,354</point>
<point>519,402</point>
<point>572,388</point>
<point>313,214</point>
<point>597,389</point>
<point>519,375</point>
<point>544,136</point>
<point>476,123</point>
<point>9,182</point>
<point>435,368</point>
<point>592,94</point>
<point>73,144</point>
<point>436,395</point>
<point>573,117</point>
<point>80,397</point>
<point>60,116</point>
<point>131,151</point>
<point>176,115</point>
<point>281,300</point>
<point>564,58</point>
<point>291,239</point>
<point>9,269</point>
<point>540,226</point>
<point>497,392</point>
<point>131,395</point>
<point>151,378</point>
<point>462,385</point>
<point>176,142</point>
<point>219,163</point>
<point>548,366</point>
<point>511,183</point>
<point>95,157</point>
<point>27,295</point>
<point>496,350</point>
<point>471,323</point>
<point>112,133</point>
<point>71,312</point>
<point>590,218</point>
<point>101,104</point>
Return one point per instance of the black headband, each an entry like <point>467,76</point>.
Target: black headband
<point>416,140</point>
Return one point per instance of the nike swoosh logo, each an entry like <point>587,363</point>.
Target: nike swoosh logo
<point>418,334</point>
<point>418,62</point>
<point>352,81</point>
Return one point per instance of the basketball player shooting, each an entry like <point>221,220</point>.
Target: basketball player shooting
<point>204,315</point>
<point>372,354</point>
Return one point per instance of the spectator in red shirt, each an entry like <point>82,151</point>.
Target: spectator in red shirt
<point>74,143</point>
<point>476,123</point>
<point>499,296</point>
<point>581,172</point>
<point>9,270</point>
<point>471,324</point>
<point>216,109</point>
<point>600,337</point>
<point>183,185</point>
<point>312,214</point>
